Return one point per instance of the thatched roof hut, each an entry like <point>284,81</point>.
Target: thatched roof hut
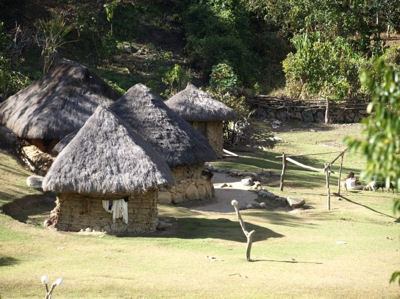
<point>203,112</point>
<point>172,137</point>
<point>104,162</point>
<point>193,104</point>
<point>57,104</point>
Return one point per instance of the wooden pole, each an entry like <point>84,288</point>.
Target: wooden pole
<point>249,235</point>
<point>328,191</point>
<point>327,111</point>
<point>283,171</point>
<point>340,174</point>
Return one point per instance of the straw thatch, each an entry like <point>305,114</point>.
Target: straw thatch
<point>104,158</point>
<point>193,104</point>
<point>173,138</point>
<point>63,143</point>
<point>57,104</point>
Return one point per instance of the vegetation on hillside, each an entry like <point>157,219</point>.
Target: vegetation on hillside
<point>317,47</point>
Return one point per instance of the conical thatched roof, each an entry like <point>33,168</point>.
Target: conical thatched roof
<point>193,104</point>
<point>57,104</point>
<point>173,138</point>
<point>105,158</point>
<point>63,143</point>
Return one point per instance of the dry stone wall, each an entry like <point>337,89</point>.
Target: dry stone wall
<point>190,184</point>
<point>74,212</point>
<point>273,108</point>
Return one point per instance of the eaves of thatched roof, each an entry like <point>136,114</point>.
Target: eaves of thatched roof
<point>193,104</point>
<point>172,137</point>
<point>106,158</point>
<point>57,104</point>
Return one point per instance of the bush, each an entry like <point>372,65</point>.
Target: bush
<point>322,68</point>
<point>175,79</point>
<point>223,78</point>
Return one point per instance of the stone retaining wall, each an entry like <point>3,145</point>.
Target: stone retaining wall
<point>74,212</point>
<point>190,184</point>
<point>273,108</point>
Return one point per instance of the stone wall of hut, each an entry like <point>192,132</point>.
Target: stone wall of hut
<point>191,183</point>
<point>74,212</point>
<point>213,131</point>
<point>215,136</point>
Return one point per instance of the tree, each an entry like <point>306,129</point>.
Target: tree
<point>381,142</point>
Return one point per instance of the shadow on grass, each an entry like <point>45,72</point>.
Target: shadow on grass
<point>288,262</point>
<point>300,126</point>
<point>30,205</point>
<point>278,218</point>
<point>367,207</point>
<point>224,229</point>
<point>7,261</point>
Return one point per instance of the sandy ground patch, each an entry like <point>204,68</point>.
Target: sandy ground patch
<point>224,196</point>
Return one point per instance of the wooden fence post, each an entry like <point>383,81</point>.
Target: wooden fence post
<point>283,171</point>
<point>327,174</point>
<point>327,111</point>
<point>340,174</point>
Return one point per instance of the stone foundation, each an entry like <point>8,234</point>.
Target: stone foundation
<point>271,108</point>
<point>191,183</point>
<point>74,212</point>
<point>38,161</point>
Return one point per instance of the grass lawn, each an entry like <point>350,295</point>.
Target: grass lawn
<point>350,251</point>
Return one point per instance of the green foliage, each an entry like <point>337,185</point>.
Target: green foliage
<point>395,276</point>
<point>51,36</point>
<point>227,31</point>
<point>356,20</point>
<point>123,19</point>
<point>322,68</point>
<point>223,78</point>
<point>11,80</point>
<point>381,143</point>
<point>175,79</point>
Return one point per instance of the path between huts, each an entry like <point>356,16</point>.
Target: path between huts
<point>233,189</point>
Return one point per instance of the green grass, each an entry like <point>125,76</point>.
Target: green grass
<point>297,254</point>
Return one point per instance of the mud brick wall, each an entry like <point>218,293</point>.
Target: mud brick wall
<point>190,185</point>
<point>75,212</point>
<point>213,131</point>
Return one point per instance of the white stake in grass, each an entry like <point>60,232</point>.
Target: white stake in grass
<point>44,279</point>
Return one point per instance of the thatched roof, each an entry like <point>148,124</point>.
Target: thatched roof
<point>173,138</point>
<point>63,143</point>
<point>57,104</point>
<point>105,158</point>
<point>193,104</point>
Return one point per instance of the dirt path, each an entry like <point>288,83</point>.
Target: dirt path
<point>224,196</point>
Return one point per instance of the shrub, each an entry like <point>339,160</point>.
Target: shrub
<point>223,78</point>
<point>175,79</point>
<point>322,68</point>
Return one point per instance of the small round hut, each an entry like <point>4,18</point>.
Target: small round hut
<point>203,112</point>
<point>55,105</point>
<point>106,179</point>
<point>184,149</point>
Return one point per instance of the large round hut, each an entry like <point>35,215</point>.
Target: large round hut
<point>184,149</point>
<point>55,105</point>
<point>203,112</point>
<point>106,179</point>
